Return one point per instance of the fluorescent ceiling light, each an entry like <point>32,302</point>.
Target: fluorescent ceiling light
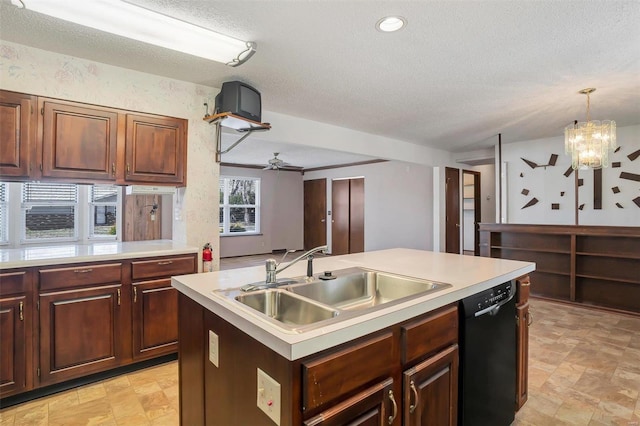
<point>391,23</point>
<point>137,23</point>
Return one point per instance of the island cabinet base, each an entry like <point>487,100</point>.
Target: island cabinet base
<point>358,382</point>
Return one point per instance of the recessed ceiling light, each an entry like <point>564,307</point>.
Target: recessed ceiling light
<point>391,23</point>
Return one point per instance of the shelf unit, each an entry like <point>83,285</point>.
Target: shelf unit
<point>234,122</point>
<point>590,265</point>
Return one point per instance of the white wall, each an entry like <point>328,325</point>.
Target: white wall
<point>398,208</point>
<point>281,213</point>
<point>546,185</point>
<point>487,193</point>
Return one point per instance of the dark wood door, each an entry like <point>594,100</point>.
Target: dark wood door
<point>452,210</point>
<point>155,319</point>
<point>315,211</point>
<point>371,407</point>
<point>80,332</point>
<point>78,142</point>
<point>17,133</point>
<point>13,345</point>
<point>522,361</point>
<point>356,215</point>
<point>430,390</point>
<point>156,149</point>
<point>340,216</point>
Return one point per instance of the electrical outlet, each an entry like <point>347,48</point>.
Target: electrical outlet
<point>213,348</point>
<point>269,396</point>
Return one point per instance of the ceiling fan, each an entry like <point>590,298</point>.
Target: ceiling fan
<point>276,163</point>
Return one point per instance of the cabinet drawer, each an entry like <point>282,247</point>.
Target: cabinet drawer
<point>13,282</point>
<point>332,376</point>
<point>80,275</point>
<point>163,267</point>
<point>430,333</point>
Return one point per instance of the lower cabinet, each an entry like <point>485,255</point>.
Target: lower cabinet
<point>80,332</point>
<point>430,390</point>
<point>155,319</point>
<point>13,345</point>
<point>523,321</point>
<point>375,406</point>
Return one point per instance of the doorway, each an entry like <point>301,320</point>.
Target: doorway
<point>315,210</point>
<point>347,223</point>
<point>471,212</point>
<point>452,210</point>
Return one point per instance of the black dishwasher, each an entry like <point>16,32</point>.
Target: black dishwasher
<point>488,357</point>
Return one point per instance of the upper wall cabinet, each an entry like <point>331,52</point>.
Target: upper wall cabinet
<point>17,134</point>
<point>155,149</point>
<point>78,142</point>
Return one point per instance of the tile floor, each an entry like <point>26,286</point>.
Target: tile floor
<point>584,369</point>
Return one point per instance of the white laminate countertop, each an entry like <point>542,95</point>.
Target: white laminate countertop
<point>58,254</point>
<point>468,275</point>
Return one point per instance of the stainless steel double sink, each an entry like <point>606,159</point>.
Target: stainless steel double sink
<point>303,303</point>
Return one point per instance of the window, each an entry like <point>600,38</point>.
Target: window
<point>103,200</point>
<point>4,237</point>
<point>239,206</point>
<point>50,211</point>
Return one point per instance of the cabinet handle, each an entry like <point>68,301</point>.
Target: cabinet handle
<point>113,169</point>
<point>529,319</point>
<point>395,408</point>
<point>118,297</point>
<point>135,294</point>
<point>128,168</point>
<point>412,407</point>
<point>21,311</point>
<point>166,262</point>
<point>82,271</point>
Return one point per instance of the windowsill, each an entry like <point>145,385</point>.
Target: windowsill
<point>244,234</point>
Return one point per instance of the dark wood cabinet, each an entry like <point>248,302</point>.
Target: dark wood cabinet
<point>430,390</point>
<point>80,332</point>
<point>156,150</point>
<point>17,134</point>
<point>375,406</point>
<point>523,321</point>
<point>16,313</point>
<point>78,141</point>
<point>155,304</point>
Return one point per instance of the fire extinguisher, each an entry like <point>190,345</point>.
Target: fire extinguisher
<point>207,258</point>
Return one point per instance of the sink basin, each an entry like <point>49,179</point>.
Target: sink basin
<point>357,288</point>
<point>287,308</point>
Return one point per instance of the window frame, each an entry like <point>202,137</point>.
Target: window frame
<point>26,206</point>
<point>226,207</point>
<point>92,205</point>
<point>4,214</point>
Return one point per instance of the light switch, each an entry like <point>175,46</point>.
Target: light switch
<point>213,348</point>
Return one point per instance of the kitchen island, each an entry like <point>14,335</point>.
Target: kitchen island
<point>232,360</point>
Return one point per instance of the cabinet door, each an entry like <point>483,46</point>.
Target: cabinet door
<point>78,142</point>
<point>430,390</point>
<point>80,332</point>
<point>17,129</point>
<point>155,319</point>
<point>376,406</point>
<point>522,360</point>
<point>13,345</point>
<point>156,150</point>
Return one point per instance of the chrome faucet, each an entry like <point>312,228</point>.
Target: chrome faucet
<point>272,266</point>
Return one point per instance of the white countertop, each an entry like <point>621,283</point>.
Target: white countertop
<point>467,275</point>
<point>43,255</point>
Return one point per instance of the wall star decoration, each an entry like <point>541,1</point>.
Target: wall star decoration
<point>531,202</point>
<point>555,206</point>
<point>533,165</point>
<point>636,201</point>
<point>568,172</point>
<point>630,176</point>
<point>619,206</point>
<point>634,155</point>
<point>615,189</point>
<point>616,164</point>
<point>525,191</point>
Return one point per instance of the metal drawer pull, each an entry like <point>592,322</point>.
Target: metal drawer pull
<point>166,262</point>
<point>83,271</point>
<point>21,311</point>
<point>118,297</point>
<point>530,319</point>
<point>412,407</point>
<point>395,408</point>
<point>135,294</point>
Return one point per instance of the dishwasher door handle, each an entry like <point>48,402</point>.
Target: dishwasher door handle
<point>493,309</point>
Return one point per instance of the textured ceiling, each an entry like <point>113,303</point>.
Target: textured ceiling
<point>460,73</point>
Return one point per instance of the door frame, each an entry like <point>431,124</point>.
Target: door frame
<point>477,209</point>
<point>452,209</point>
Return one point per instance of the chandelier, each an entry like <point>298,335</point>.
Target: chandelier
<point>589,142</point>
